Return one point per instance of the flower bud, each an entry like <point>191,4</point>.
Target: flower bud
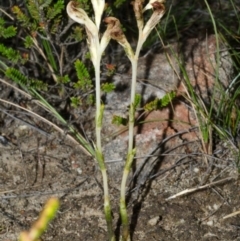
<point>138,10</point>
<point>115,32</point>
<point>80,16</point>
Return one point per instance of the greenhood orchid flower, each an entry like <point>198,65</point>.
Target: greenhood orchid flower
<point>159,10</point>
<point>115,32</point>
<point>80,16</point>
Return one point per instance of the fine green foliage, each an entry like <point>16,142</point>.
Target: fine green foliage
<point>41,25</point>
<point>63,79</point>
<point>137,100</point>
<point>118,120</point>
<point>84,82</point>
<point>22,18</point>
<point>40,11</point>
<point>43,37</point>
<point>42,51</point>
<point>10,54</point>
<point>158,104</point>
<point>28,42</point>
<point>78,33</point>
<point>53,11</point>
<point>107,87</point>
<point>6,32</point>
<point>6,52</point>
<point>75,101</point>
<point>37,38</point>
<point>19,78</point>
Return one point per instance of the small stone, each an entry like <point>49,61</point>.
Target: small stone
<point>79,170</point>
<point>210,223</point>
<point>215,206</point>
<point>196,170</point>
<point>154,221</point>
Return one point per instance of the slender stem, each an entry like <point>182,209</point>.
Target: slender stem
<point>98,106</point>
<point>99,154</point>
<point>131,150</point>
<point>123,206</point>
<point>132,100</point>
<point>134,63</point>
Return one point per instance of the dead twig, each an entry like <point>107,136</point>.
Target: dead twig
<point>191,190</point>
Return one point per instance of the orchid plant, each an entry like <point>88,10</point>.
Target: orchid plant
<point>96,47</point>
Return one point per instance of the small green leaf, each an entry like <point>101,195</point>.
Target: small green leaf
<point>108,87</point>
<point>160,103</point>
<point>84,82</point>
<point>10,53</point>
<point>55,10</point>
<point>118,120</point>
<point>78,33</point>
<point>75,101</point>
<point>90,99</point>
<point>8,32</point>
<point>137,100</point>
<point>168,98</point>
<point>25,21</point>
<point>28,42</point>
<point>63,79</point>
<point>19,78</point>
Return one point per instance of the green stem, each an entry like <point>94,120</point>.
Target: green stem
<point>99,154</point>
<point>132,110</point>
<point>131,150</point>
<point>123,206</point>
